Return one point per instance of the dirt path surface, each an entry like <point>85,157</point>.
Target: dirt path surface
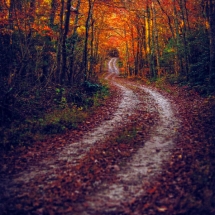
<point>144,164</point>
<point>81,177</point>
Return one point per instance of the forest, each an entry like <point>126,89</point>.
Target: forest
<point>52,52</point>
<point>107,107</point>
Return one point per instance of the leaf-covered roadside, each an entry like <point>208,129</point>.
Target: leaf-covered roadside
<point>18,158</point>
<point>187,183</point>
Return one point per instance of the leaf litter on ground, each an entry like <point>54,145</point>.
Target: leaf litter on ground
<point>186,185</point>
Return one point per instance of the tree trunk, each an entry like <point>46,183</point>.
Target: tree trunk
<point>155,39</point>
<point>92,57</point>
<point>149,39</point>
<point>87,27</point>
<point>178,61</point>
<point>186,50</point>
<point>52,14</point>
<point>59,46</point>
<point>74,36</point>
<point>65,33</point>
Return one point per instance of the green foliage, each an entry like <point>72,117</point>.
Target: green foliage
<point>161,83</point>
<point>120,64</point>
<point>199,58</point>
<point>94,92</point>
<point>53,110</point>
<point>91,87</point>
<point>167,58</point>
<point>198,77</point>
<point>199,48</point>
<point>59,121</point>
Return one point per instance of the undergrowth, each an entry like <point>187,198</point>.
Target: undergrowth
<point>204,89</point>
<point>53,110</point>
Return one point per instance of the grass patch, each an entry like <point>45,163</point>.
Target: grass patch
<point>127,136</point>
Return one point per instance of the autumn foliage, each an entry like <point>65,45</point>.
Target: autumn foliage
<point>52,53</point>
<point>51,44</point>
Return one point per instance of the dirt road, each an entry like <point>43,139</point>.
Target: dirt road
<point>146,163</point>
<point>43,187</point>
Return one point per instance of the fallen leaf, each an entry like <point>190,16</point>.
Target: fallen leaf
<point>162,209</point>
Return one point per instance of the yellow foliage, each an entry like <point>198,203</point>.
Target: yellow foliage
<point>207,24</point>
<point>81,30</point>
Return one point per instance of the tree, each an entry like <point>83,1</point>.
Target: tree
<point>53,12</point>
<point>87,29</point>
<point>65,33</point>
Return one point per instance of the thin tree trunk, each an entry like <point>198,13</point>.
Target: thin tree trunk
<point>156,43</point>
<point>65,33</point>
<point>11,14</point>
<point>126,54</point>
<point>74,36</point>
<point>87,27</point>
<point>178,60</point>
<point>59,46</point>
<point>133,50</point>
<point>150,41</point>
<point>186,50</point>
<point>52,14</point>
<point>92,57</point>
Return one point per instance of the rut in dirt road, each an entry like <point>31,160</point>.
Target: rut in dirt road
<point>146,163</point>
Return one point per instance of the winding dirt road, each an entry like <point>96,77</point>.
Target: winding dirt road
<point>144,165</point>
